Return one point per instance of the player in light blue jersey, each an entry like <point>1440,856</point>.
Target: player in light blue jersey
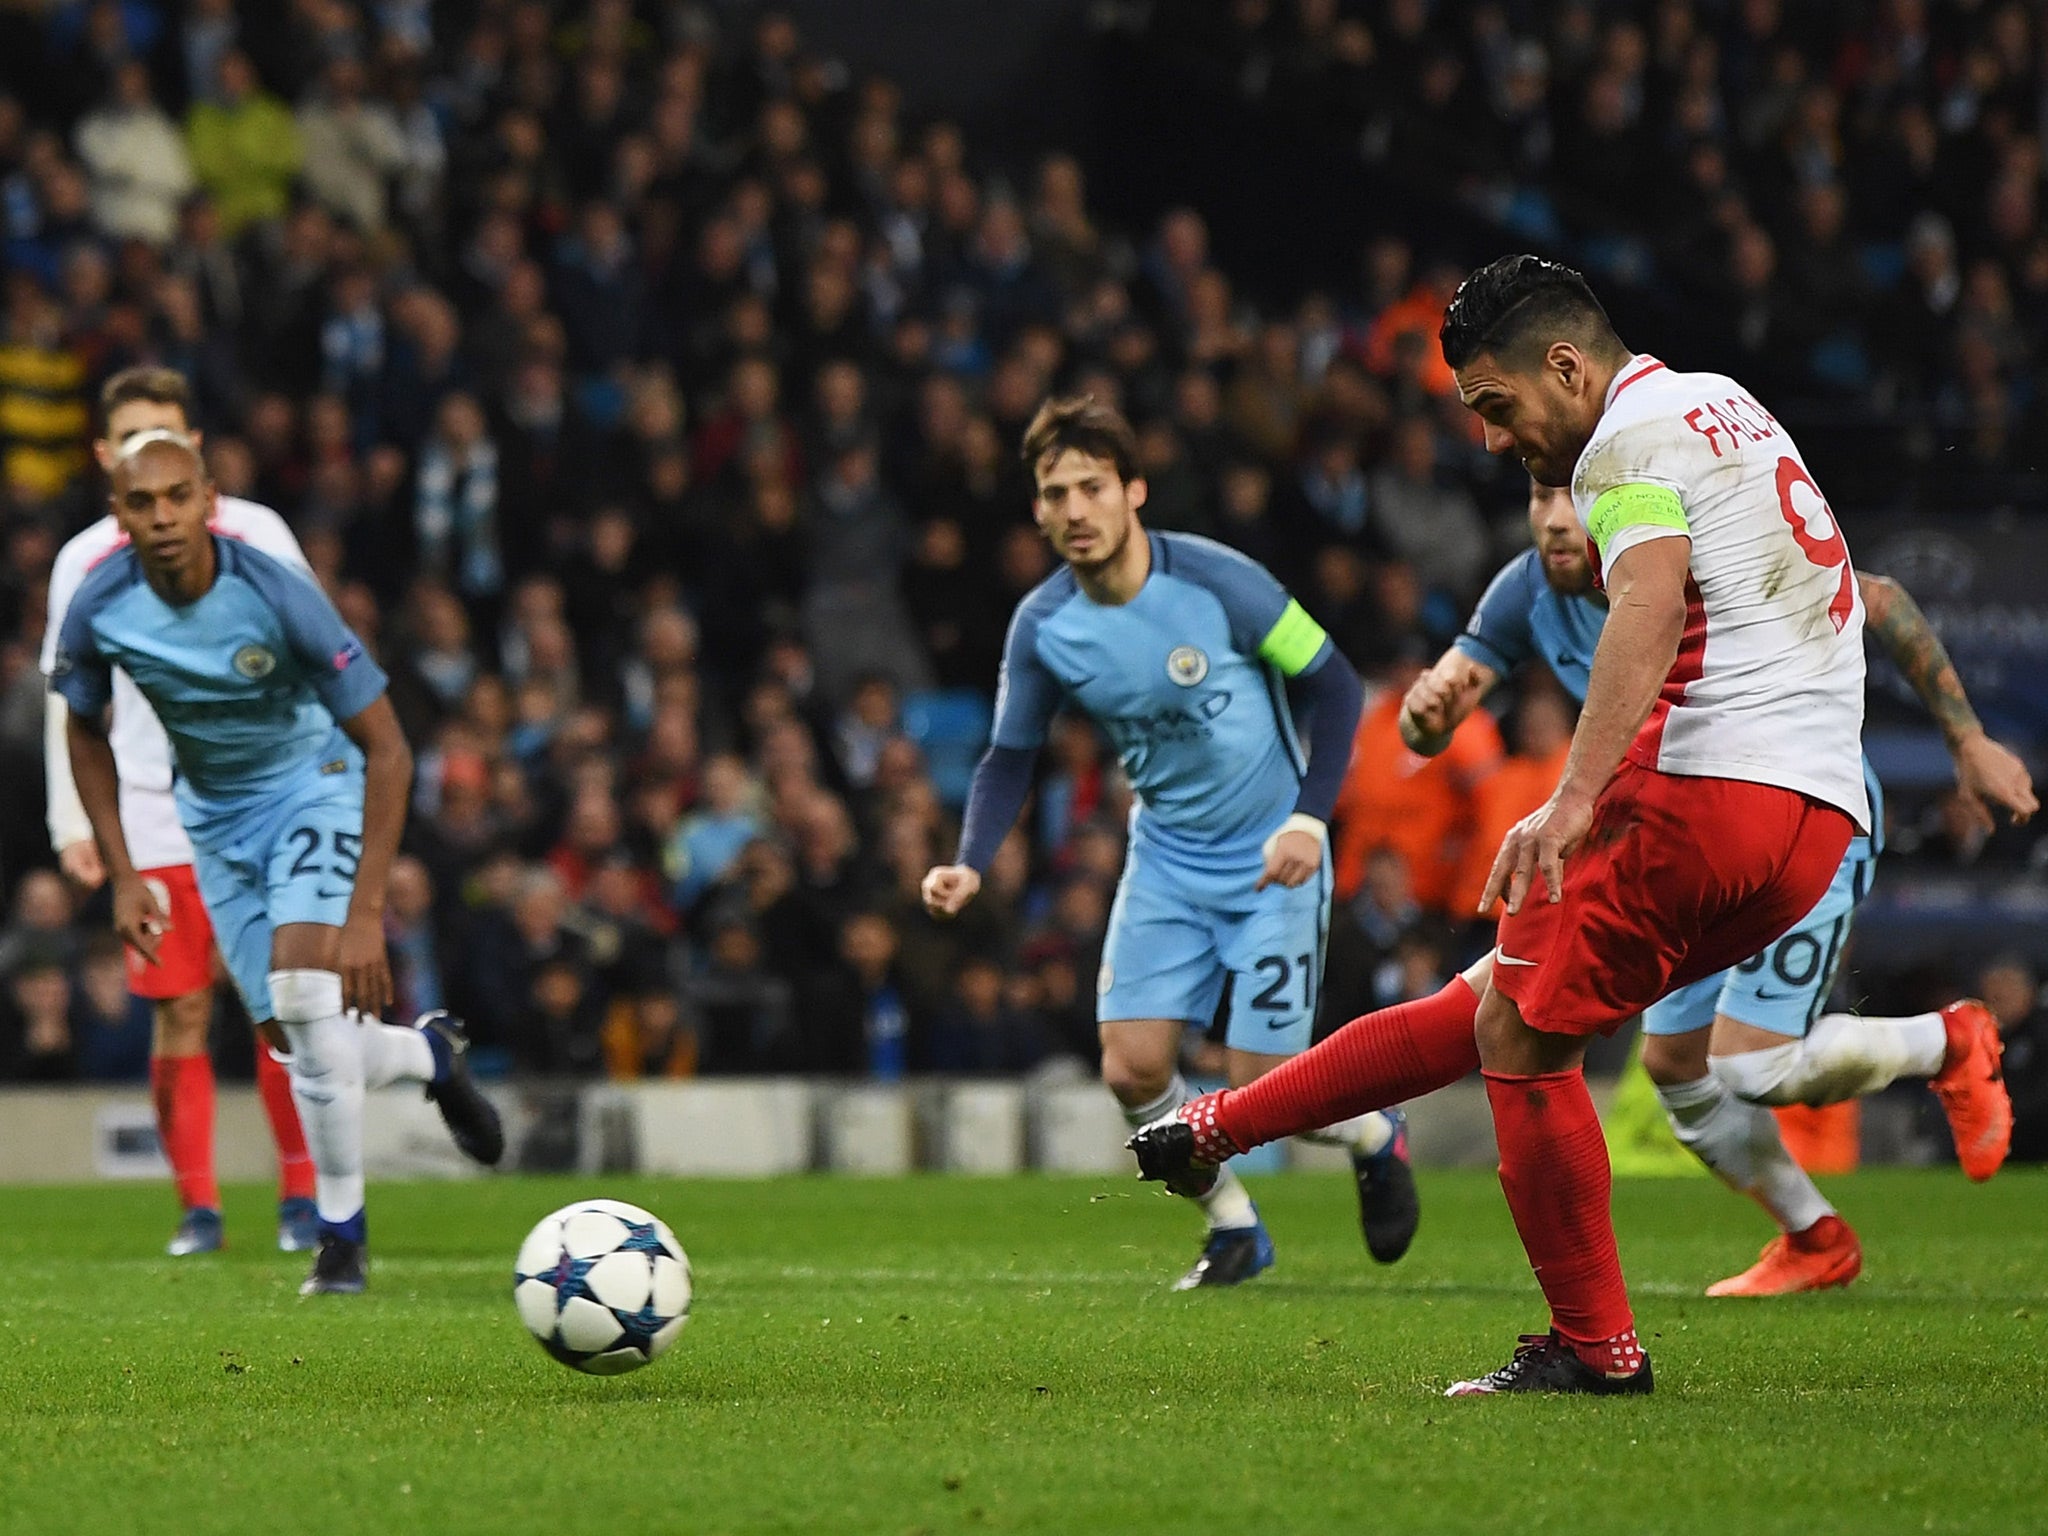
<point>1725,1049</point>
<point>292,782</point>
<point>1193,660</point>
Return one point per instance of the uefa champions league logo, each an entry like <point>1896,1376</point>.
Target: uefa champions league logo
<point>1186,665</point>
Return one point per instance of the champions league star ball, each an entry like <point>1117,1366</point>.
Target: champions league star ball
<point>604,1286</point>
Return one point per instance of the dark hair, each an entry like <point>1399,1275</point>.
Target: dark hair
<point>1082,423</point>
<point>159,386</point>
<point>1508,303</point>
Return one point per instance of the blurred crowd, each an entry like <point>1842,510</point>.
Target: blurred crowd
<point>1839,203</point>
<point>645,387</point>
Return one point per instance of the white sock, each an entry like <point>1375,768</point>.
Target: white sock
<point>1228,1205</point>
<point>327,1085</point>
<point>1365,1135</point>
<point>1740,1143</point>
<point>1842,1057</point>
<point>394,1054</point>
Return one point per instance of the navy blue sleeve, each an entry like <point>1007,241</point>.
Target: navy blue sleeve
<point>1265,622</point>
<point>995,796</point>
<point>1027,694</point>
<point>336,664</point>
<point>82,676</point>
<point>1498,635</point>
<point>1333,698</point>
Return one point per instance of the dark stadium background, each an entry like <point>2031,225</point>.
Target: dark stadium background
<point>695,650</point>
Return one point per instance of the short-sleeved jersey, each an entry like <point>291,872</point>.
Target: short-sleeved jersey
<point>1176,678</point>
<point>1768,682</point>
<point>1521,619</point>
<point>249,680</point>
<point>1563,632</point>
<point>142,753</point>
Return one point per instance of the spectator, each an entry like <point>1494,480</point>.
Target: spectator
<point>858,1020</point>
<point>537,993</point>
<point>41,922</point>
<point>136,157</point>
<point>979,1031</point>
<point>711,838</point>
<point>245,146</point>
<point>110,1029</point>
<point>1421,807</point>
<point>1542,739</point>
<point>411,940</point>
<point>742,1014</point>
<point>455,516</point>
<point>352,146</point>
<point>1433,527</point>
<point>35,1026</point>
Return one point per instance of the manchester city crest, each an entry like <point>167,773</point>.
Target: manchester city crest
<point>1186,665</point>
<point>254,662</point>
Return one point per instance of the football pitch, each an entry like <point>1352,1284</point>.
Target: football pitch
<point>941,1355</point>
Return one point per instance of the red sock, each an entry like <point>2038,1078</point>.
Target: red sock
<point>182,1089</point>
<point>1383,1058</point>
<point>294,1163</point>
<point>1553,1169</point>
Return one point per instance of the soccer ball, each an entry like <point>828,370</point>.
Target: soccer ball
<point>603,1285</point>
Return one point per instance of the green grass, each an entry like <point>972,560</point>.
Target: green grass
<point>947,1355</point>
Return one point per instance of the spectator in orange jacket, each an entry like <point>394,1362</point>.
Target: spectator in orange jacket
<point>1543,738</point>
<point>1422,807</point>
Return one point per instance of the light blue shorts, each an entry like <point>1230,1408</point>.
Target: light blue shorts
<point>287,858</point>
<point>1785,988</point>
<point>1169,950</point>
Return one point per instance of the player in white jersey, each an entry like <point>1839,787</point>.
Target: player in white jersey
<point>1712,787</point>
<point>179,985</point>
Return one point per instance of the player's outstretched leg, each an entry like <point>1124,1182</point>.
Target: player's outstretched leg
<point>1957,1050</point>
<point>1389,1207</point>
<point>298,1219</point>
<point>1375,1061</point>
<point>470,1117</point>
<point>434,1052</point>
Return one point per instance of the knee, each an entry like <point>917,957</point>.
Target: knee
<point>182,1023</point>
<point>1510,1045</point>
<point>1135,1077</point>
<point>1771,1077</point>
<point>1673,1059</point>
<point>305,997</point>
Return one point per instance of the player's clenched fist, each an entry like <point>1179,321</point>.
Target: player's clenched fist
<point>949,887</point>
<point>1428,702</point>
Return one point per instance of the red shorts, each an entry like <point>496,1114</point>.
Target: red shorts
<point>184,955</point>
<point>1678,878</point>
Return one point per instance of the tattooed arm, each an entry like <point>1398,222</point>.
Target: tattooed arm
<point>1985,771</point>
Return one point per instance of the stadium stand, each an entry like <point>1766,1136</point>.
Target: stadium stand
<point>645,381</point>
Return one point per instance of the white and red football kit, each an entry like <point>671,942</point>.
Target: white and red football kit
<point>142,757</point>
<point>1733,807</point>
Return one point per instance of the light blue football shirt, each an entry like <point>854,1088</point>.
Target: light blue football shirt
<point>1186,679</point>
<point>249,679</point>
<point>1521,618</point>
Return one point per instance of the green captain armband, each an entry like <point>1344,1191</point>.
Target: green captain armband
<point>1293,641</point>
<point>1634,506</point>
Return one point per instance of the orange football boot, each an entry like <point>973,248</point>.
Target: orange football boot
<point>1825,1254</point>
<point>1971,1088</point>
